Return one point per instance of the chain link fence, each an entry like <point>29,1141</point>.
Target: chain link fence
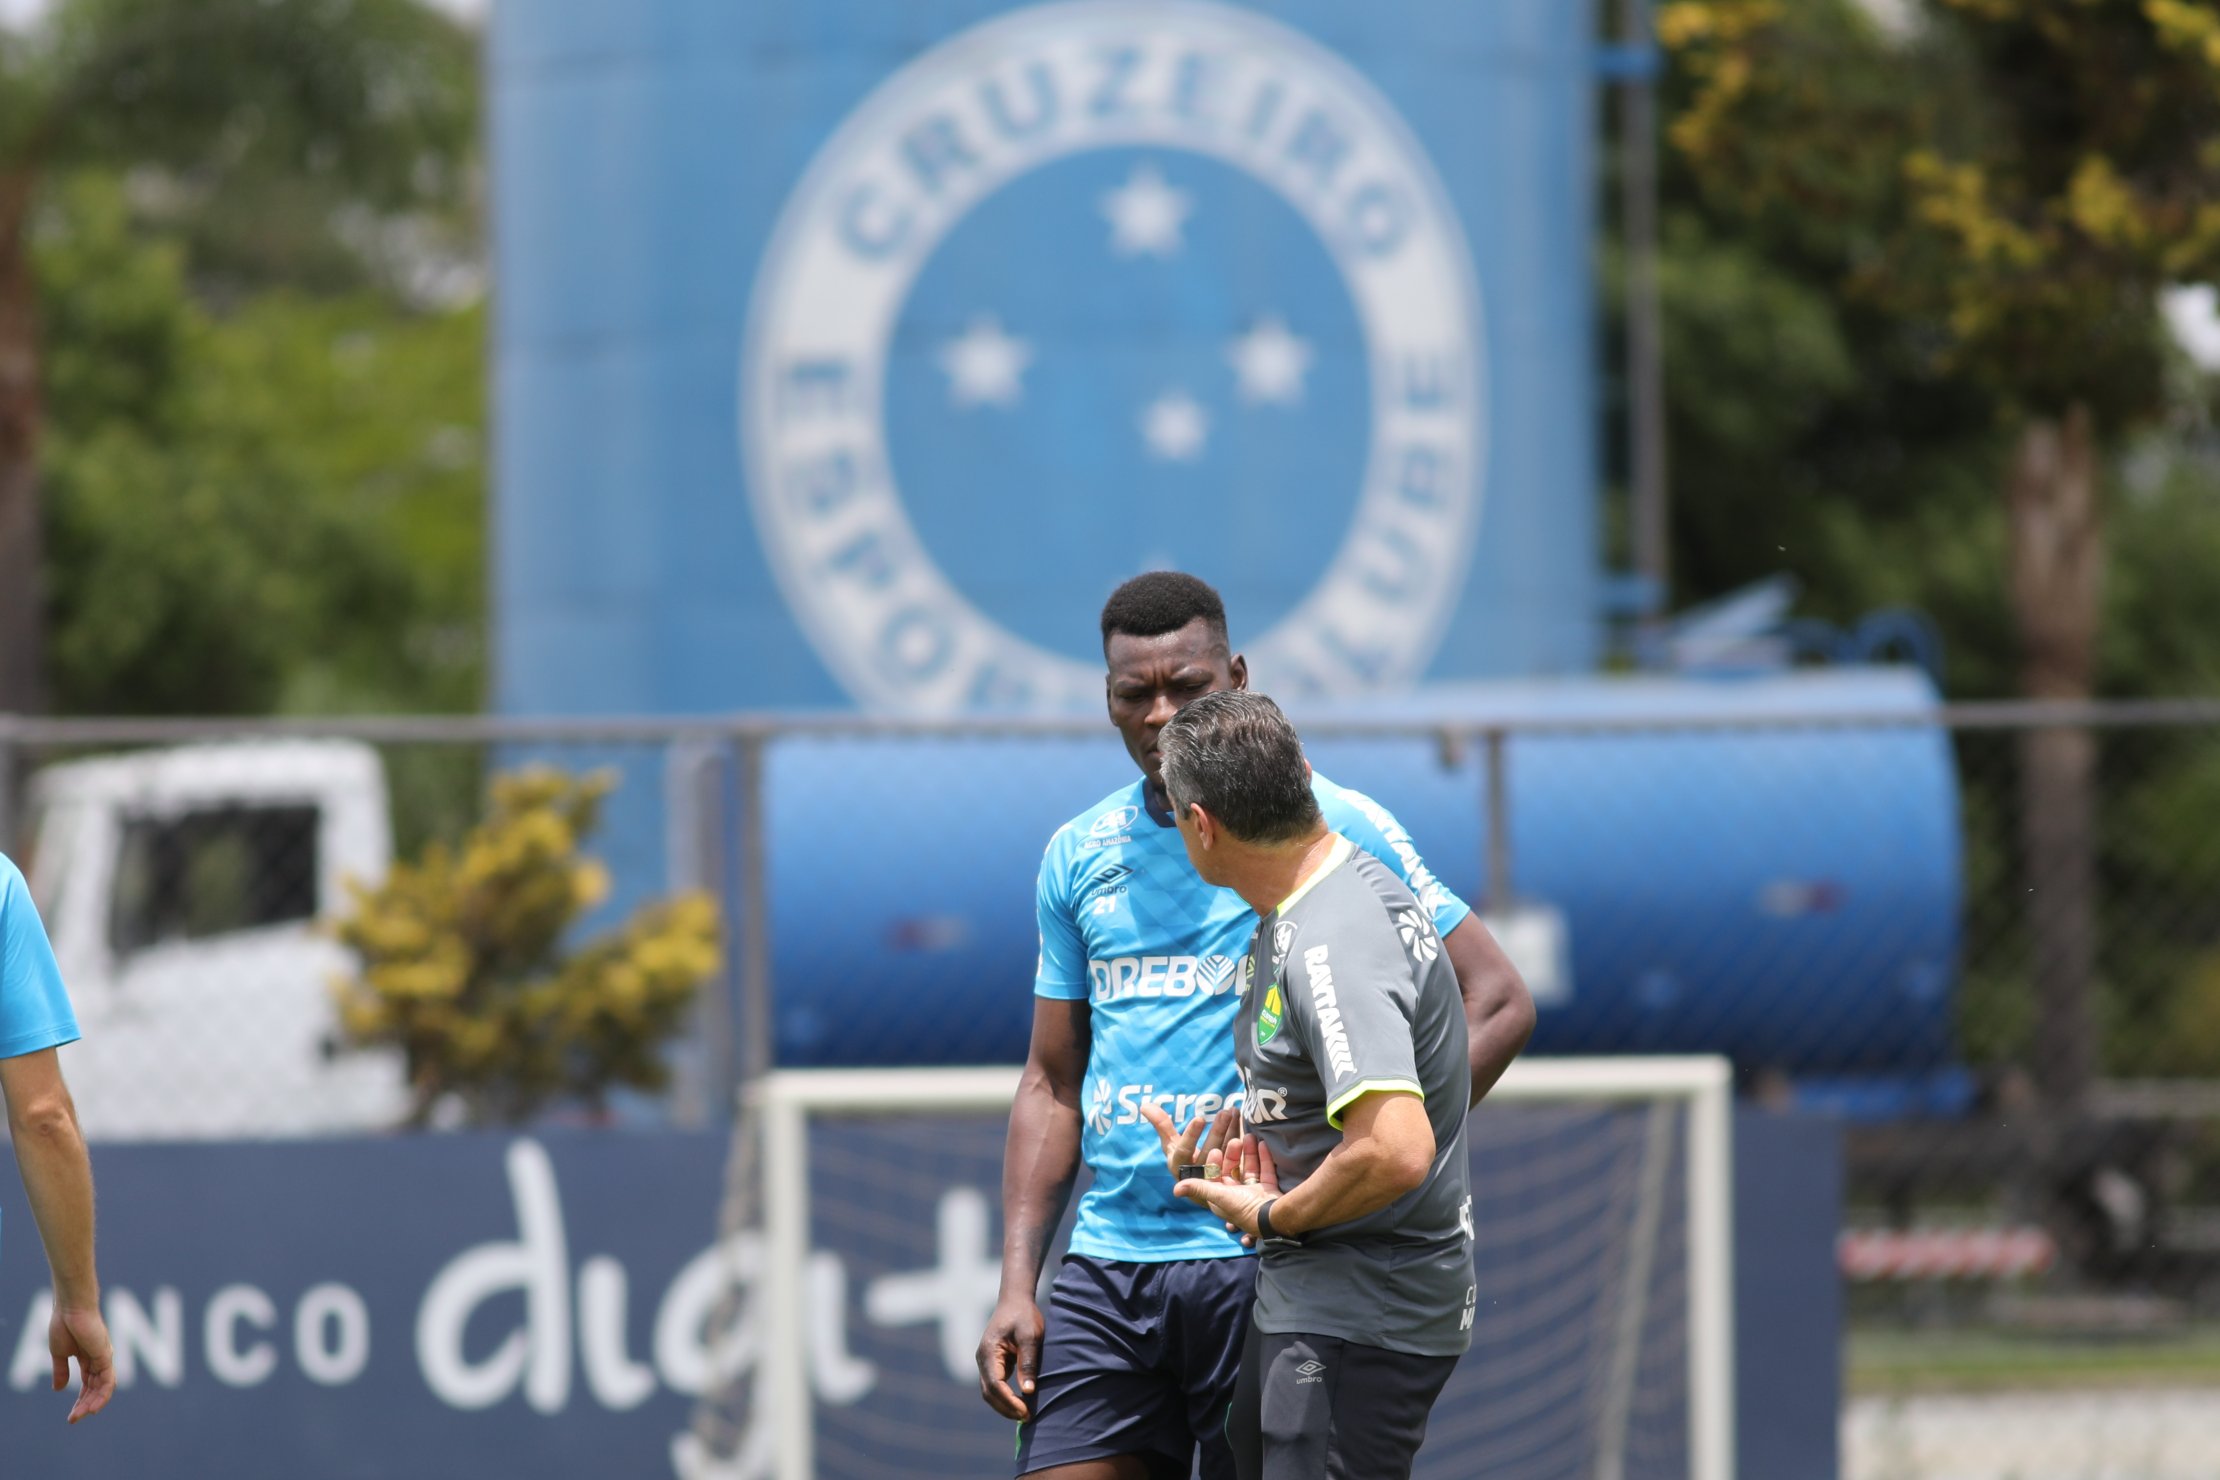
<point>191,876</point>
<point>1987,938</point>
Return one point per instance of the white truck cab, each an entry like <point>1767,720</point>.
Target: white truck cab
<point>182,889</point>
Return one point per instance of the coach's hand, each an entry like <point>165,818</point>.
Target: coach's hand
<point>1239,1182</point>
<point>1010,1353</point>
<point>1181,1147</point>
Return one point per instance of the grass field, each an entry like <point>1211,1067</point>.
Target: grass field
<point>1883,1363</point>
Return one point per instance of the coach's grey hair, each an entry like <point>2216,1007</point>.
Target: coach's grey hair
<point>1235,753</point>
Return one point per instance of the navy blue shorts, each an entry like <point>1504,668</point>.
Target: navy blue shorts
<point>1139,1359</point>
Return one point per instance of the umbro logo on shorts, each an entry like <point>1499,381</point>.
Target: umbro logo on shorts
<point>1310,1371</point>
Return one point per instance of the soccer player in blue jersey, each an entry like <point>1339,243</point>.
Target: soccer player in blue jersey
<point>1132,1370</point>
<point>35,1019</point>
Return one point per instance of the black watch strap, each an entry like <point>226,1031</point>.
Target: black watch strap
<point>1264,1233</point>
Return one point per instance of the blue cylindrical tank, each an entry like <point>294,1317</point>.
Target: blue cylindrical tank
<point>1787,895</point>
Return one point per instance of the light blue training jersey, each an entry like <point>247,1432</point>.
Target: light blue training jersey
<point>34,1010</point>
<point>1128,925</point>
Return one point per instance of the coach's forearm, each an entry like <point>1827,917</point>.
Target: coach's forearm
<point>57,1179</point>
<point>1387,1147</point>
<point>1039,1165</point>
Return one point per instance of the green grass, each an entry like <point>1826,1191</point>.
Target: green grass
<point>1907,1362</point>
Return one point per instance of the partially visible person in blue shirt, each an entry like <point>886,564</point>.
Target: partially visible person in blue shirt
<point>35,1020</point>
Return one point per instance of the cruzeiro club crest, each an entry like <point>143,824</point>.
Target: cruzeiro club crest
<point>1099,286</point>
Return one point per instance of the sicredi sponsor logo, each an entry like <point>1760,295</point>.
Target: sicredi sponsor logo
<point>1108,1106</point>
<point>1122,977</point>
<point>1322,996</point>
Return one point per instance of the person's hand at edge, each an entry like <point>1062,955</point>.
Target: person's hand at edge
<point>1010,1357</point>
<point>82,1334</point>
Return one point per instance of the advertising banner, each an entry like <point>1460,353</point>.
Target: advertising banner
<point>552,1304</point>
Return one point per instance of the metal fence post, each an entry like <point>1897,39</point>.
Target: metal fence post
<point>733,1415</point>
<point>755,1055</point>
<point>9,759</point>
<point>1497,881</point>
<point>698,824</point>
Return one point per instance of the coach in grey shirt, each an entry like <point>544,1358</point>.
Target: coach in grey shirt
<point>1351,1174</point>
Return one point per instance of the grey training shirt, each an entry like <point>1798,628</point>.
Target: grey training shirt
<point>1346,989</point>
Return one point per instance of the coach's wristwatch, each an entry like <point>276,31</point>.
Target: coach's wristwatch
<point>1265,1237</point>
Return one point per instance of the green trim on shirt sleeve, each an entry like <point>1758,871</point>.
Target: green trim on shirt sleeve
<point>1363,1087</point>
<point>1337,854</point>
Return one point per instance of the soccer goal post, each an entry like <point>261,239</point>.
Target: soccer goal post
<point>1604,1245</point>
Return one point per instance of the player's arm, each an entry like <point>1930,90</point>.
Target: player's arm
<point>57,1178</point>
<point>1040,1161</point>
<point>1039,1164</point>
<point>1499,1011</point>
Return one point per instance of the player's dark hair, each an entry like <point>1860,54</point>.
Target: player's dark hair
<point>1159,602</point>
<point>1235,752</point>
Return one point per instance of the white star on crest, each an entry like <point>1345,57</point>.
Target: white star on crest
<point>985,366</point>
<point>1270,363</point>
<point>1146,214</point>
<point>1175,426</point>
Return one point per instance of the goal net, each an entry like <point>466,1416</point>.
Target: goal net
<point>1601,1210</point>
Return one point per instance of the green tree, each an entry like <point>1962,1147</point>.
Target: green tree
<point>2011,230</point>
<point>465,966</point>
<point>207,102</point>
<point>275,508</point>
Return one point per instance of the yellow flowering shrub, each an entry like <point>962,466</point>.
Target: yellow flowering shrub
<point>464,961</point>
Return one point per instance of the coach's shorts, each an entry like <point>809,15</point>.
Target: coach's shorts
<point>1139,1359</point>
<point>1311,1406</point>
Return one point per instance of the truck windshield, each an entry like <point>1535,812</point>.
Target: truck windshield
<point>189,875</point>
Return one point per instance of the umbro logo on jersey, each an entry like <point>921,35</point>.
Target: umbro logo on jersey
<point>1104,879</point>
<point>1105,887</point>
<point>1116,820</point>
<point>1418,936</point>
